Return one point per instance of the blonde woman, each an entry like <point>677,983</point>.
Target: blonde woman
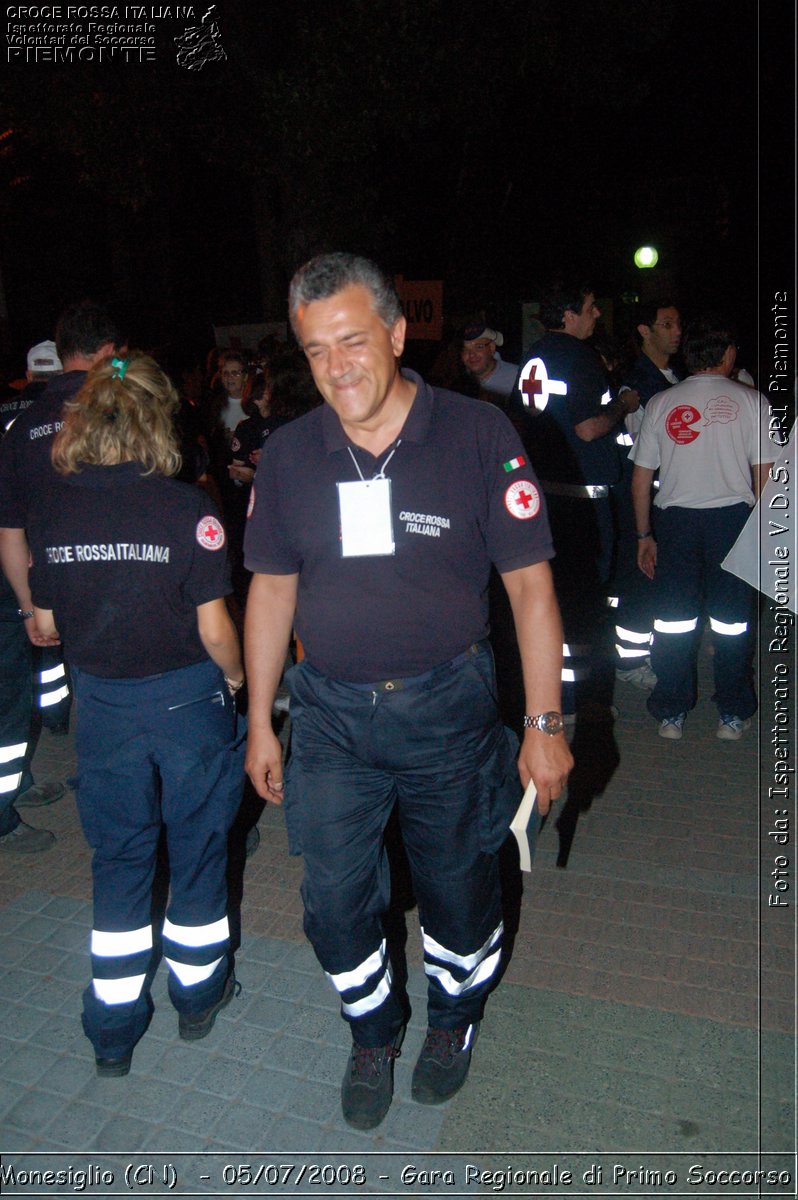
<point>130,567</point>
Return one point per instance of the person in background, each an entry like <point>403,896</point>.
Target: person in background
<point>480,357</point>
<point>570,423</point>
<point>85,334</point>
<point>659,335</point>
<point>708,437</point>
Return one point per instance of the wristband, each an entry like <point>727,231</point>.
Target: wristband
<point>641,537</point>
<point>25,615</point>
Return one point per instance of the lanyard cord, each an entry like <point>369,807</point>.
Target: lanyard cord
<point>380,474</point>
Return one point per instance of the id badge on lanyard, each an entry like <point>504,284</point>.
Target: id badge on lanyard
<point>364,506</point>
<point>366,521</point>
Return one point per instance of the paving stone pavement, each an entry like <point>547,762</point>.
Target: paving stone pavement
<point>647,1009</point>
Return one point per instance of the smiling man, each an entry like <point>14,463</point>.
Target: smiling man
<point>374,525</point>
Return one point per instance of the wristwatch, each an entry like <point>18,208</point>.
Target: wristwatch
<point>547,722</point>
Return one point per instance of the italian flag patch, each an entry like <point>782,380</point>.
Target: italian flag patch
<point>515,463</point>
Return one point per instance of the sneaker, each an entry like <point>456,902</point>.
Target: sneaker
<point>39,795</point>
<point>731,729</point>
<point>367,1088</point>
<point>443,1063</point>
<point>640,677</point>
<point>671,727</point>
<point>193,1026</point>
<point>24,839</point>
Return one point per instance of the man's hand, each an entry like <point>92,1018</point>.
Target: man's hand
<point>265,764</point>
<point>547,761</point>
<point>37,638</point>
<point>41,629</point>
<point>647,556</point>
<point>267,627</point>
<point>238,471</point>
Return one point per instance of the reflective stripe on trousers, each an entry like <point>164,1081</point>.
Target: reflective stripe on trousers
<point>575,661</point>
<point>192,952</point>
<point>366,986</point>
<point>462,972</point>
<point>632,645</point>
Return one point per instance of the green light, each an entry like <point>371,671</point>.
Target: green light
<point>646,256</point>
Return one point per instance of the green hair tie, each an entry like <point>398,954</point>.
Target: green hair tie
<point>120,366</point>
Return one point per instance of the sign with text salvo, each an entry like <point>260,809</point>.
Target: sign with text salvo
<point>422,303</point>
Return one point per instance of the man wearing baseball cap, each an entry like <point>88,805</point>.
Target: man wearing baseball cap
<point>42,364</point>
<point>481,359</point>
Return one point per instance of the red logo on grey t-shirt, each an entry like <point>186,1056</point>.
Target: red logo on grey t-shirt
<point>679,422</point>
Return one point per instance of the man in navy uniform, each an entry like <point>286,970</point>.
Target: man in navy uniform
<point>372,531</point>
<point>571,423</point>
<point>659,329</point>
<point>85,333</point>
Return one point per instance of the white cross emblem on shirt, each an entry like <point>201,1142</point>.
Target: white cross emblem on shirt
<point>536,387</point>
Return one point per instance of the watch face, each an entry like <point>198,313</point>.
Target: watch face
<point>550,722</point>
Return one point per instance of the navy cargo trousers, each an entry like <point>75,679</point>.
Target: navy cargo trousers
<point>689,580</point>
<point>152,752</point>
<point>433,747</point>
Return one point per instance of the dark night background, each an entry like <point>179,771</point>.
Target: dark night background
<point>491,147</point>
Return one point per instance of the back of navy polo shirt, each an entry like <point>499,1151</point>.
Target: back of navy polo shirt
<point>124,560</point>
<point>462,496</point>
<point>25,465</point>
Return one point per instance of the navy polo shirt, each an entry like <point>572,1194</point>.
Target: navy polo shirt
<point>581,382</point>
<point>462,497</point>
<point>25,465</point>
<point>646,377</point>
<point>250,435</point>
<point>124,559</point>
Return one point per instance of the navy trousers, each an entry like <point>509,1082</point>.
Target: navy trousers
<point>158,751</point>
<point>688,581</point>
<point>434,747</point>
<point>52,695</point>
<point>16,695</point>
<point>584,537</point>
<point>634,591</point>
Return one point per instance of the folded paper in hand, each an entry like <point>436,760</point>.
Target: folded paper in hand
<point>525,826</point>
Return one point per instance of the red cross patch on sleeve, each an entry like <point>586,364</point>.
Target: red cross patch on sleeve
<point>210,533</point>
<point>522,500</point>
